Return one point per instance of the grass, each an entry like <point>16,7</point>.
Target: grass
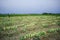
<point>27,27</point>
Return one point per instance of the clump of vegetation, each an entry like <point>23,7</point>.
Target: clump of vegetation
<point>36,38</point>
<point>53,30</point>
<point>58,23</point>
<point>46,26</point>
<point>33,35</point>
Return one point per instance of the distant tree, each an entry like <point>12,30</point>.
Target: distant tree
<point>48,13</point>
<point>8,15</point>
<point>45,13</point>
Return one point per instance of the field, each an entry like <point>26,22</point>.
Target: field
<point>37,27</point>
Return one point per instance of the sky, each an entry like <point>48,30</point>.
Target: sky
<point>29,6</point>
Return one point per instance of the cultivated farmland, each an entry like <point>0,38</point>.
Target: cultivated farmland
<point>43,27</point>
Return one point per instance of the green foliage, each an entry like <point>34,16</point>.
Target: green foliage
<point>58,23</point>
<point>28,26</point>
<point>58,30</point>
<point>22,38</point>
<point>53,30</point>
<point>46,26</point>
<point>34,35</point>
<point>42,33</point>
<point>9,15</point>
<point>36,38</point>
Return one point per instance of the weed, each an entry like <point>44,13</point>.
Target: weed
<point>58,23</point>
<point>46,26</point>
<point>36,38</point>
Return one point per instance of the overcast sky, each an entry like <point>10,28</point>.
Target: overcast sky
<point>29,6</point>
